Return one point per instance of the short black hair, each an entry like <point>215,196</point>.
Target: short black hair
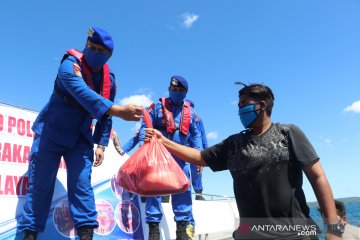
<point>258,92</point>
<point>340,209</point>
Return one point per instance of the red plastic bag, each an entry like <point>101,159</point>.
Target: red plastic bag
<point>152,171</point>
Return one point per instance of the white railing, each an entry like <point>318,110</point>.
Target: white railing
<point>213,197</point>
<point>216,218</point>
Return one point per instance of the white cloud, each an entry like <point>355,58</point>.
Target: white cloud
<point>354,107</point>
<point>326,142</point>
<point>138,99</point>
<point>212,135</point>
<point>142,100</point>
<point>189,19</point>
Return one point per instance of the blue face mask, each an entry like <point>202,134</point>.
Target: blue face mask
<point>177,97</point>
<point>248,115</point>
<point>94,59</point>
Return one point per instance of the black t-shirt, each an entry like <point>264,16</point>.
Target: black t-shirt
<point>266,170</point>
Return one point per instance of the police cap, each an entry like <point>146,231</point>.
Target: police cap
<point>178,81</point>
<point>100,36</point>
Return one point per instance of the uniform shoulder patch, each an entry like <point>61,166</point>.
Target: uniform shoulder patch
<point>77,70</point>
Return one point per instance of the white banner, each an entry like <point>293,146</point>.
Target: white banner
<point>16,139</point>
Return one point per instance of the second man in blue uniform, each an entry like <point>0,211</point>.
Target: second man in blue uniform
<point>175,119</point>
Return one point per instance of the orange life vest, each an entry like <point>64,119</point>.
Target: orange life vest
<point>169,118</point>
<point>106,83</point>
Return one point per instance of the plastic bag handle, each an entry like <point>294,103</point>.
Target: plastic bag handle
<point>146,118</point>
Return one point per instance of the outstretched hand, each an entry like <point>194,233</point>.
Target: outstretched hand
<point>130,112</point>
<point>151,132</point>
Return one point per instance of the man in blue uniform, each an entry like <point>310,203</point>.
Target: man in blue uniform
<point>175,119</point>
<point>84,89</point>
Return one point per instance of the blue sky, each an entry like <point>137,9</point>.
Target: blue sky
<point>307,51</point>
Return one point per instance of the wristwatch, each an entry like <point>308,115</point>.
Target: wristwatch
<point>336,229</point>
<point>101,147</point>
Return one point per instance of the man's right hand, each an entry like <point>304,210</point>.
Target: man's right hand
<point>151,132</point>
<point>128,112</point>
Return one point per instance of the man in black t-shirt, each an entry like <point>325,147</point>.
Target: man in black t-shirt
<point>266,161</point>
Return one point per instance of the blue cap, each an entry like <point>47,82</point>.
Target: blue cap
<point>191,102</point>
<point>179,81</point>
<point>100,36</point>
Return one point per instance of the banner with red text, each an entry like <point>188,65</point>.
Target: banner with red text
<point>119,214</point>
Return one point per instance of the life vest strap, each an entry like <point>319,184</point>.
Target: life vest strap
<point>170,126</point>
<point>105,87</point>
